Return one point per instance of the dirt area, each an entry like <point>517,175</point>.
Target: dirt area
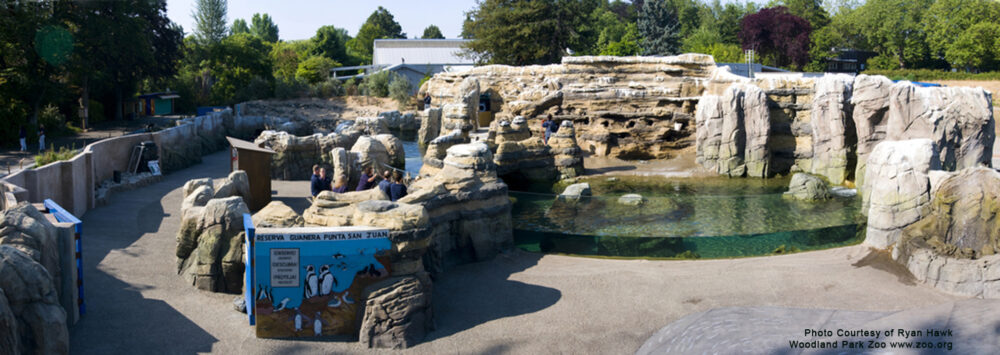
<point>347,107</point>
<point>681,165</point>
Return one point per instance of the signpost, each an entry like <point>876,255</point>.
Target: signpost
<point>308,281</point>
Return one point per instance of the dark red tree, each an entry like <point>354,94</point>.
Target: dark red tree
<point>778,36</point>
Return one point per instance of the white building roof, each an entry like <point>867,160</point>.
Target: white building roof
<point>419,51</point>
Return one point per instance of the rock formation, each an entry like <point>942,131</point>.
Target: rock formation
<point>437,150</point>
<point>397,312</point>
<point>395,120</point>
<point>808,188</point>
<point>277,215</point>
<point>955,246</point>
<point>566,154</point>
<point>394,149</point>
<point>294,156</point>
<point>832,128</point>
<point>31,317</point>
<point>430,126</point>
<point>210,240</point>
<point>574,192</point>
<point>734,132</point>
<point>870,101</point>
<point>897,188</point>
<point>625,107</point>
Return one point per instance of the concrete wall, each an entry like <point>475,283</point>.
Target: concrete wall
<point>72,183</point>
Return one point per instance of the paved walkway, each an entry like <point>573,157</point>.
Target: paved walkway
<point>518,303</point>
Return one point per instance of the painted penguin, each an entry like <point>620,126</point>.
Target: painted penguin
<point>335,302</point>
<point>281,306</point>
<point>346,299</point>
<point>298,320</point>
<point>317,325</point>
<point>327,280</point>
<point>261,295</point>
<point>338,256</point>
<point>312,282</point>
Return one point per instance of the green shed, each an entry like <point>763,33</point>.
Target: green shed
<point>160,103</point>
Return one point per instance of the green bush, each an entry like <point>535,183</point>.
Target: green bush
<point>377,84</point>
<point>257,88</point>
<point>52,155</point>
<point>328,88</point>
<point>931,74</point>
<point>351,87</point>
<point>399,90</point>
<point>290,88</point>
<point>315,69</point>
<point>52,119</point>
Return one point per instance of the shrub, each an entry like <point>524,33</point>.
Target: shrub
<point>315,69</point>
<point>351,87</point>
<point>290,88</point>
<point>328,88</point>
<point>377,84</point>
<point>52,155</point>
<point>51,118</point>
<point>399,90</point>
<point>257,88</point>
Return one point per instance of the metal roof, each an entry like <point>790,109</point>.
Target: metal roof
<point>419,51</point>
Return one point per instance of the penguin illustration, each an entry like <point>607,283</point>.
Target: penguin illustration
<point>281,306</point>
<point>312,282</point>
<point>327,281</point>
<point>261,295</point>
<point>335,302</point>
<point>346,299</point>
<point>298,320</point>
<point>342,266</point>
<point>338,256</point>
<point>317,325</point>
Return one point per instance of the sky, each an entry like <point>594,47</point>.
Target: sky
<point>299,19</point>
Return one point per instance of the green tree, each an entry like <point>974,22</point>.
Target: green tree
<point>895,29</point>
<point>627,45</point>
<point>331,42</point>
<point>380,24</point>
<point>811,10</point>
<point>285,58</point>
<point>978,48</point>
<point>659,27</point>
<point>432,32</point>
<point>946,20</point>
<point>239,26</point>
<point>521,32</point>
<point>210,20</point>
<point>315,69</point>
<point>262,27</point>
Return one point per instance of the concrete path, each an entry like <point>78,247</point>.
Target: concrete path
<point>517,303</point>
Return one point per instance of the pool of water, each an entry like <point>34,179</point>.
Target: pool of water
<point>704,217</point>
<point>413,155</point>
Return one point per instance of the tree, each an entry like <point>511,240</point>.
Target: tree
<point>627,45</point>
<point>781,38</point>
<point>210,20</point>
<point>239,26</point>
<point>522,32</point>
<point>432,32</point>
<point>811,10</point>
<point>978,48</point>
<point>331,42</point>
<point>262,27</point>
<point>946,20</point>
<point>659,27</point>
<point>315,69</point>
<point>894,28</point>
<point>380,24</point>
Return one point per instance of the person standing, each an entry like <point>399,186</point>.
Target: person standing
<point>41,138</point>
<point>427,100</point>
<point>397,190</point>
<point>316,182</point>
<point>24,136</point>
<point>367,179</point>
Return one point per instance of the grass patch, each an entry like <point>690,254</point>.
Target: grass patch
<point>52,155</point>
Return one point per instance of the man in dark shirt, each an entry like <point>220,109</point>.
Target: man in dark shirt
<point>319,181</point>
<point>367,179</point>
<point>386,181</point>
<point>397,190</point>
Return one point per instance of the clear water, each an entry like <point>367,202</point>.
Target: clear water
<point>414,158</point>
<point>709,217</point>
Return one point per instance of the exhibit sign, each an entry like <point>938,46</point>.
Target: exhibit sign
<point>308,281</point>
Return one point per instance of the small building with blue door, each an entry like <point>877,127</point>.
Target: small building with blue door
<point>159,103</point>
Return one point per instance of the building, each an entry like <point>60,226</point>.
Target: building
<point>849,61</point>
<point>744,69</point>
<point>414,58</point>
<point>159,103</point>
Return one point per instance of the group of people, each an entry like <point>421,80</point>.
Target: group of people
<point>23,135</point>
<point>390,183</point>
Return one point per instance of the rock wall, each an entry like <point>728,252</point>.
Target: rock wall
<point>210,240</point>
<point>430,126</point>
<point>621,106</point>
<point>566,153</point>
<point>870,101</point>
<point>897,188</point>
<point>31,317</point>
<point>833,129</point>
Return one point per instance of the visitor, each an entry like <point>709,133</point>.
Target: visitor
<point>367,179</point>
<point>427,100</point>
<point>41,138</point>
<point>397,190</point>
<point>24,135</point>
<point>549,126</point>
<point>320,181</point>
<point>341,185</point>
<point>386,181</point>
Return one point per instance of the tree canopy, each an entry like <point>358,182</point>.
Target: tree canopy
<point>210,20</point>
<point>659,27</point>
<point>262,27</point>
<point>777,35</point>
<point>432,32</point>
<point>379,25</point>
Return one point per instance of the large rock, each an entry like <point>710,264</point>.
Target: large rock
<point>430,127</point>
<point>210,245</point>
<point>631,199</point>
<point>808,187</point>
<point>832,130</point>
<point>526,160</point>
<point>566,154</point>
<point>28,297</point>
<point>394,148</point>
<point>709,130</point>
<point>397,312</point>
<point>758,130</point>
<point>870,101</point>
<point>575,192</point>
<point>437,150</point>
<point>733,142</point>
<point>897,188</point>
<point>371,152</point>
<point>294,156</point>
<point>236,184</point>
<point>277,215</point>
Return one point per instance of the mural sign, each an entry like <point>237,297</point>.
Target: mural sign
<point>308,281</point>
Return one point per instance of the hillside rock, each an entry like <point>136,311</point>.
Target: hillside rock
<point>897,188</point>
<point>29,308</point>
<point>210,245</point>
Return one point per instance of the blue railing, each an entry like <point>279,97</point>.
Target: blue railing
<point>64,216</point>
